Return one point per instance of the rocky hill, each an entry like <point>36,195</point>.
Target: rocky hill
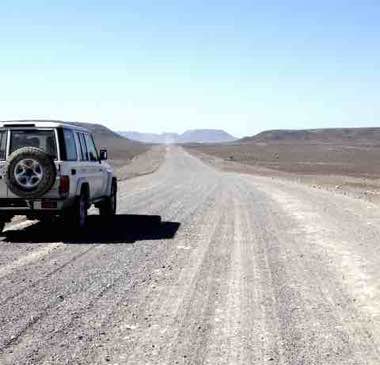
<point>370,136</point>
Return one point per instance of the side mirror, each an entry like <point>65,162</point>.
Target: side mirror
<point>103,155</point>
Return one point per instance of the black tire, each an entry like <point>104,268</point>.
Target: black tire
<point>108,207</point>
<point>2,225</point>
<point>76,216</point>
<point>43,183</point>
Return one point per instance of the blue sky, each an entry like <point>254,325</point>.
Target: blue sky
<point>244,66</point>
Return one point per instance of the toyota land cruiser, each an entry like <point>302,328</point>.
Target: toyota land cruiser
<point>53,169</point>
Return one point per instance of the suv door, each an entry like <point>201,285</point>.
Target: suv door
<point>101,171</point>
<point>90,166</point>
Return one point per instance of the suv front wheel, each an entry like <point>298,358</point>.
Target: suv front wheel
<point>107,208</point>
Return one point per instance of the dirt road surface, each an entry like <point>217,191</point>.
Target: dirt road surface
<point>200,267</point>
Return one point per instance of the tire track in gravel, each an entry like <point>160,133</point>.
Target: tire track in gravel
<point>196,313</point>
<point>243,330</point>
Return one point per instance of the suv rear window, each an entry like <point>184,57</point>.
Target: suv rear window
<point>42,139</point>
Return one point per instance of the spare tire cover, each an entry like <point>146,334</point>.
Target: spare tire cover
<point>30,172</point>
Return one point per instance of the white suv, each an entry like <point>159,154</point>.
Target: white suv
<point>53,169</point>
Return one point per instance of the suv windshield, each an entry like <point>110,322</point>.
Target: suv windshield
<point>42,139</point>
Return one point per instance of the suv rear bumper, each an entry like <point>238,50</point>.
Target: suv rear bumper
<point>30,205</point>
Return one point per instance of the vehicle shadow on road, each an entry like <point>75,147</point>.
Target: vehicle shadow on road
<point>122,228</point>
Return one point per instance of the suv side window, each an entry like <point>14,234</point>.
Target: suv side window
<point>71,150</point>
<point>3,144</point>
<point>91,149</point>
<point>83,147</point>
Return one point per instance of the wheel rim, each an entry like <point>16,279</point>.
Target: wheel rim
<point>28,173</point>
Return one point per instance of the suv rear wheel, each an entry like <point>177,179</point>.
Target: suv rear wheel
<point>76,216</point>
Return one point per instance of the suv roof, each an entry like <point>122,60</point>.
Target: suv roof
<point>40,124</point>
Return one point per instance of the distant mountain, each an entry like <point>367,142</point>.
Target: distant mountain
<point>361,136</point>
<point>190,136</point>
<point>150,137</point>
<point>205,136</point>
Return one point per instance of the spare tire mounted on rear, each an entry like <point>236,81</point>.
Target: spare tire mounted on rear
<point>30,172</point>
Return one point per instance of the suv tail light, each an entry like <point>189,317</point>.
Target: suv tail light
<point>48,204</point>
<point>64,185</point>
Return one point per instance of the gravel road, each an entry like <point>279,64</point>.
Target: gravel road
<point>199,267</point>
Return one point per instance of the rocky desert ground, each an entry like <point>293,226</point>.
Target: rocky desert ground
<point>347,166</point>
